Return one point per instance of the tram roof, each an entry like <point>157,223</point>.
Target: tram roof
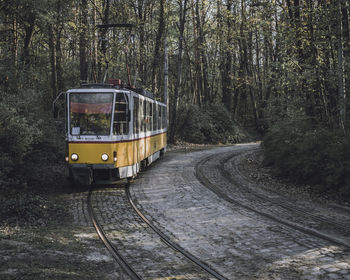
<point>102,86</point>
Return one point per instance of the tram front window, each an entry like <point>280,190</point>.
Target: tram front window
<point>90,113</point>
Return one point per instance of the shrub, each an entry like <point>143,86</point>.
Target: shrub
<point>209,124</point>
<point>309,153</point>
<point>27,135</point>
<point>16,137</point>
<point>29,145</point>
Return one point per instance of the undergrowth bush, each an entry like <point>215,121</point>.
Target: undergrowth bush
<point>29,144</point>
<point>209,124</point>
<point>27,135</point>
<point>309,153</point>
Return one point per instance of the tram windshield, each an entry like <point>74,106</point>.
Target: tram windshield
<point>90,113</point>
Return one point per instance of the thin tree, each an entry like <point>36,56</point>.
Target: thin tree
<point>83,40</point>
<point>226,68</point>
<point>161,28</point>
<point>182,21</point>
<point>341,90</point>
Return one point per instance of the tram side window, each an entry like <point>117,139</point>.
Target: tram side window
<point>147,115</point>
<point>159,117</point>
<point>136,115</point>
<point>155,115</point>
<point>143,115</point>
<point>121,114</point>
<point>150,125</point>
<point>164,118</point>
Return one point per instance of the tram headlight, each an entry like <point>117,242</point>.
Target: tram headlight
<point>104,157</point>
<point>74,157</point>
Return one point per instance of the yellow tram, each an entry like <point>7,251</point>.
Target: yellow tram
<point>112,132</point>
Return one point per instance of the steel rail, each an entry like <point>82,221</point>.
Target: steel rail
<point>206,182</point>
<point>287,205</point>
<point>171,244</point>
<point>116,255</point>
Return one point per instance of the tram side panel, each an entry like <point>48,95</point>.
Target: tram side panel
<point>89,167</point>
<point>146,137</point>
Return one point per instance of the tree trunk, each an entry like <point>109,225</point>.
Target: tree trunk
<point>94,70</point>
<point>83,41</point>
<point>346,51</point>
<point>166,74</point>
<point>341,90</point>
<point>312,99</point>
<point>52,47</point>
<point>103,39</point>
<point>60,80</point>
<point>161,28</point>
<point>60,25</point>
<point>14,47</point>
<point>250,76</point>
<point>28,34</point>
<point>182,19</point>
<point>226,72</point>
<point>203,55</point>
<point>141,17</point>
<point>198,76</point>
<point>243,54</point>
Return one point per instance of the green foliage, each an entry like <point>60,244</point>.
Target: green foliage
<point>25,129</point>
<point>16,137</point>
<point>210,124</point>
<point>29,146</point>
<point>284,108</point>
<point>309,153</point>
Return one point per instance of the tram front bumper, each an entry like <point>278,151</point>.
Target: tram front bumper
<point>87,174</point>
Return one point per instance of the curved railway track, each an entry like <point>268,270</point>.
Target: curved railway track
<point>125,263</point>
<point>111,248</point>
<point>282,202</point>
<point>237,238</point>
<point>173,245</point>
<point>255,196</point>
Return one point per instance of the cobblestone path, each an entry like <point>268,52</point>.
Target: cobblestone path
<point>136,241</point>
<point>238,243</point>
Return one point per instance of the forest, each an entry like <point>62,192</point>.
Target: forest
<point>234,70</point>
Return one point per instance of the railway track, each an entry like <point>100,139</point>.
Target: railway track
<point>243,195</point>
<point>282,202</point>
<point>173,245</point>
<point>193,268</point>
<point>109,245</point>
<point>231,239</point>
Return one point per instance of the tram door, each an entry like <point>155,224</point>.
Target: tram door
<point>121,125</point>
<point>136,129</point>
